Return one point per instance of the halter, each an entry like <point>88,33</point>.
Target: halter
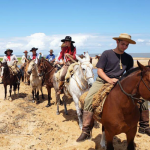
<point>132,96</point>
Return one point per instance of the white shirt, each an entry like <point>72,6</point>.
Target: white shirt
<point>12,59</point>
<point>38,56</point>
<point>24,58</point>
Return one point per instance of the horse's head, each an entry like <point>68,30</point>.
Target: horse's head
<point>144,86</point>
<point>41,67</point>
<point>4,68</point>
<point>31,66</point>
<point>86,69</point>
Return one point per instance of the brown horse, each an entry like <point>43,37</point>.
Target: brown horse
<point>46,70</point>
<point>26,75</point>
<point>120,112</point>
<point>9,79</point>
<point>97,57</point>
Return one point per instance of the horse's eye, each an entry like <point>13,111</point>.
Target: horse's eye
<point>83,69</point>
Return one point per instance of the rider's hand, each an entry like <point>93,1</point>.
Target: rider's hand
<point>67,54</point>
<point>113,80</point>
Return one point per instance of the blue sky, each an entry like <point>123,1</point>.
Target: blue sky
<point>91,23</point>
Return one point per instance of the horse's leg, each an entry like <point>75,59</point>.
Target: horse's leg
<point>76,101</point>
<point>102,143</point>
<point>42,93</point>
<point>33,96</point>
<point>10,93</point>
<point>5,87</point>
<point>130,138</point>
<point>37,96</point>
<point>49,96</point>
<point>18,85</point>
<point>109,139</point>
<point>65,107</point>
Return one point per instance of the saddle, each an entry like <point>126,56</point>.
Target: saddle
<point>98,99</point>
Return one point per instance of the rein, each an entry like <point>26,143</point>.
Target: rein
<point>132,96</point>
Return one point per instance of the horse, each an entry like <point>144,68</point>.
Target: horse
<point>80,81</point>
<point>97,57</point>
<point>35,81</point>
<point>24,69</point>
<point>82,56</point>
<point>120,111</point>
<point>46,69</point>
<point>9,79</point>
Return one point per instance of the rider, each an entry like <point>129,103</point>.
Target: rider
<point>11,59</point>
<point>68,53</point>
<point>35,55</point>
<point>111,65</point>
<point>51,57</point>
<point>25,57</point>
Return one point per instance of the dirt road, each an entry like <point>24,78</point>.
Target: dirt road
<point>25,125</point>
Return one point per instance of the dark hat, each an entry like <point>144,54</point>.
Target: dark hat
<point>67,38</point>
<point>33,49</point>
<point>8,50</point>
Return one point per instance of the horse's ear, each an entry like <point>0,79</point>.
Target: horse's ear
<point>79,59</point>
<point>142,68</point>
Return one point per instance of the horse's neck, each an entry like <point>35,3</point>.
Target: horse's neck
<point>48,66</point>
<point>130,83</point>
<point>34,72</point>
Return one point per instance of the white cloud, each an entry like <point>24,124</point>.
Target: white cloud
<point>94,43</point>
<point>140,40</point>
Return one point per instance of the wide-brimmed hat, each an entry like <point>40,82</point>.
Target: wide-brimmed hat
<point>8,50</point>
<point>63,45</point>
<point>33,49</point>
<point>67,38</point>
<point>25,51</point>
<point>125,37</point>
<point>51,50</point>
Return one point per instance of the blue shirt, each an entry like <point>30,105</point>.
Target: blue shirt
<point>50,57</point>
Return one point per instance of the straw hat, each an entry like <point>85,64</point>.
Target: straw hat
<point>33,49</point>
<point>51,50</point>
<point>8,50</point>
<point>25,51</point>
<point>67,38</point>
<point>63,45</point>
<point>125,37</point>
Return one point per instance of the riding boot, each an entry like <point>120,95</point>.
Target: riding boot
<point>61,83</point>
<point>88,123</point>
<point>144,122</point>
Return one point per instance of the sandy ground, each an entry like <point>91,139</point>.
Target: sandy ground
<point>25,125</point>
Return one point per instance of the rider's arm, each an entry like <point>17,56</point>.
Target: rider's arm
<point>102,74</point>
<point>4,59</point>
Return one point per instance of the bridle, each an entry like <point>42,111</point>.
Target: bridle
<point>84,76</point>
<point>139,100</point>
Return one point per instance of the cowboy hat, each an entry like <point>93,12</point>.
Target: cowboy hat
<point>51,50</point>
<point>33,49</point>
<point>125,37</point>
<point>67,38</point>
<point>63,45</point>
<point>25,51</point>
<point>8,50</point>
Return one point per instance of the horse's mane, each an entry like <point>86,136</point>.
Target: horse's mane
<point>130,72</point>
<point>44,60</point>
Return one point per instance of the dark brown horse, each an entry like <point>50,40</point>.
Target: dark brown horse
<point>9,79</point>
<point>46,70</point>
<point>97,57</point>
<point>120,112</point>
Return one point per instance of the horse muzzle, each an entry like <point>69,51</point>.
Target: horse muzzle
<point>29,72</point>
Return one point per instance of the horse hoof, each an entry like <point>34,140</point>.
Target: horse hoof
<point>57,113</point>
<point>48,105</point>
<point>33,101</point>
<point>37,102</point>
<point>10,99</point>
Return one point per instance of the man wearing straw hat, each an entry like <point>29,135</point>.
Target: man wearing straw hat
<point>111,65</point>
<point>25,57</point>
<point>51,57</point>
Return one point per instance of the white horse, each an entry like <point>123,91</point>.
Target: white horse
<point>35,81</point>
<point>79,83</point>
